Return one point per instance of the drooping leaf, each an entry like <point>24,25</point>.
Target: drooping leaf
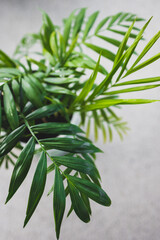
<point>37,187</point>
<point>21,168</point>
<point>10,107</point>
<point>78,203</point>
<point>59,199</point>
<point>91,190</point>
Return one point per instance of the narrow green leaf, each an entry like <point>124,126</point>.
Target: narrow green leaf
<point>123,44</point>
<point>58,90</point>
<point>10,107</point>
<point>57,128</point>
<point>101,24</point>
<point>139,81</point>
<point>144,64</point>
<point>54,45</point>
<point>37,187</point>
<point>89,24</point>
<point>59,199</point>
<point>78,22</point>
<point>78,204</point>
<point>44,111</point>
<point>21,168</point>
<point>11,140</point>
<point>12,71</point>
<point>132,35</point>
<point>103,103</point>
<point>88,86</point>
<point>91,190</point>
<point>32,92</point>
<point>60,80</point>
<point>39,64</point>
<point>76,163</point>
<point>67,28</point>
<point>69,145</point>
<point>8,62</point>
<point>113,41</point>
<point>135,89</point>
<point>114,18</point>
<point>103,51</point>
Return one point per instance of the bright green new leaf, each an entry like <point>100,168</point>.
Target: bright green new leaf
<point>138,81</point>
<point>78,22</point>
<point>89,24</point>
<point>135,89</point>
<point>101,24</point>
<point>103,103</point>
<point>88,85</point>
<point>37,187</point>
<point>21,168</point>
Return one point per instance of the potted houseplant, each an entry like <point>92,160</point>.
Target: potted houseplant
<point>40,91</point>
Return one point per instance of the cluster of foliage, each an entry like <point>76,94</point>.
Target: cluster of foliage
<point>41,90</point>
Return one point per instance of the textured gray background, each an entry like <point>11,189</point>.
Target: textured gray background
<point>130,169</point>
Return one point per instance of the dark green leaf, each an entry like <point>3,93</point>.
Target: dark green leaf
<point>44,111</point>
<point>76,163</point>
<point>31,91</point>
<point>57,128</point>
<point>11,140</point>
<point>37,187</point>
<point>59,199</point>
<point>91,190</point>
<point>69,145</point>
<point>21,168</point>
<point>10,107</point>
<point>58,90</point>
<point>78,204</point>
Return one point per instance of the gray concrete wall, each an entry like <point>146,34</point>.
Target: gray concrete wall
<point>130,169</point>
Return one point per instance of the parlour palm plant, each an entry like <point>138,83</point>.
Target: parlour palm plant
<point>41,90</point>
